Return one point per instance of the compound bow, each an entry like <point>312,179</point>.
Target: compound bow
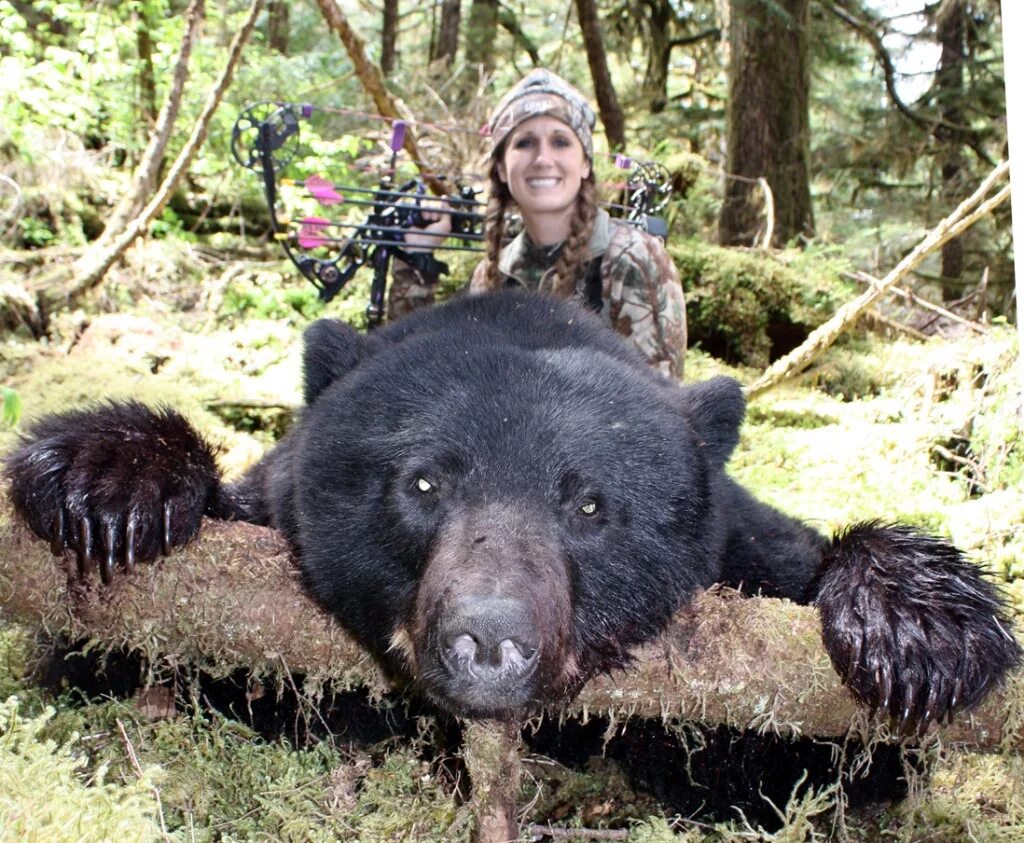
<point>265,139</point>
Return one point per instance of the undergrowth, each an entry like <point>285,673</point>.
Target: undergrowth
<point>867,432</point>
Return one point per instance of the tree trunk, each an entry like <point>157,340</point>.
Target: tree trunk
<point>90,269</point>
<point>234,599</point>
<point>278,26</point>
<point>659,51</point>
<point>389,38</point>
<point>607,101</point>
<point>481,33</point>
<point>768,123</point>
<point>447,45</point>
<point>950,32</point>
<point>146,173</point>
<point>147,77</point>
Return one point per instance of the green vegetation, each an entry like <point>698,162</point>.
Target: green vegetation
<point>205,314</point>
<point>823,447</point>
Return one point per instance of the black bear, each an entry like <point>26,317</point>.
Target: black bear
<point>498,498</point>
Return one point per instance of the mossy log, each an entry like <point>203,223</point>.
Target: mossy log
<point>234,598</point>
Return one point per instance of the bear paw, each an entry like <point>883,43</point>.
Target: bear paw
<point>117,482</point>
<point>912,627</point>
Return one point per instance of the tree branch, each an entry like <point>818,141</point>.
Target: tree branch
<point>685,40</point>
<point>965,215</point>
<point>868,27</point>
<point>373,83</point>
<point>234,599</point>
<point>146,173</point>
<point>90,269</point>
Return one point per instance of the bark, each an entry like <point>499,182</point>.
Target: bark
<point>147,76</point>
<point>659,51</point>
<point>278,26</point>
<point>447,44</point>
<point>950,32</point>
<point>234,599</point>
<point>491,753</point>
<point>481,32</point>
<point>389,37</point>
<point>607,102</point>
<point>372,81</point>
<point>768,120</point>
<point>145,176</point>
<point>91,268</point>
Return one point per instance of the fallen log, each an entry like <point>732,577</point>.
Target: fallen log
<point>234,599</point>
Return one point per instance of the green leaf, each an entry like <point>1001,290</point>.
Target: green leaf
<point>11,411</point>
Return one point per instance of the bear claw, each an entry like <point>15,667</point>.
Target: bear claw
<point>166,533</point>
<point>57,539</point>
<point>107,560</point>
<point>79,476</point>
<point>917,629</point>
<point>84,550</point>
<point>129,545</point>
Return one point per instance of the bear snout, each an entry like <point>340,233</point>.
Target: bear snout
<point>492,631</point>
<point>487,655</point>
<point>490,639</point>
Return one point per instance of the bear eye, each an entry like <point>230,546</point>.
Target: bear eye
<point>424,485</point>
<point>589,507</point>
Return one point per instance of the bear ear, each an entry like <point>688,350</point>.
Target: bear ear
<point>715,409</point>
<point>331,350</point>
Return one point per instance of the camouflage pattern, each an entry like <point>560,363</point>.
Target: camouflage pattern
<point>540,93</point>
<point>641,295</point>
<point>408,290</point>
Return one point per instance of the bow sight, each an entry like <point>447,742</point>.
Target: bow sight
<point>265,139</point>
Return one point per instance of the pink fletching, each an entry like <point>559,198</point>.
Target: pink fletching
<point>323,191</point>
<point>311,232</point>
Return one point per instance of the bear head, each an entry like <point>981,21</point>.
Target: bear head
<point>499,518</point>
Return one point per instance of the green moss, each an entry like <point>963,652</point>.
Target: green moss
<point>48,792</point>
<point>744,305</point>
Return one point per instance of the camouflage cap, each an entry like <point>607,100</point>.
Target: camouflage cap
<point>542,92</point>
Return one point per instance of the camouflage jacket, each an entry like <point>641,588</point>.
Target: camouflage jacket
<point>640,293</point>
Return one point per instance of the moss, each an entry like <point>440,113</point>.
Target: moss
<point>751,307</point>
<point>977,797</point>
<point>47,792</point>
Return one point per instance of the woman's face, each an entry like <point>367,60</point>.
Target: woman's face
<point>543,166</point>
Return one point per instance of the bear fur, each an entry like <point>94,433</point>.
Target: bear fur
<point>499,498</point>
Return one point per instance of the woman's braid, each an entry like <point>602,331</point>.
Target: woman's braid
<point>570,265</point>
<point>494,228</point>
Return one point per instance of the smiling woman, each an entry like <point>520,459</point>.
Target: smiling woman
<point>541,157</point>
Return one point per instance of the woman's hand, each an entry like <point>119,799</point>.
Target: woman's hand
<point>437,215</point>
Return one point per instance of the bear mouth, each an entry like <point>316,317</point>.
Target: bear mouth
<point>474,687</point>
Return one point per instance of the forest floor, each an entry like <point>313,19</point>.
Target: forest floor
<point>880,427</point>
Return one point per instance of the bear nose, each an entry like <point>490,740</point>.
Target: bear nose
<point>487,635</point>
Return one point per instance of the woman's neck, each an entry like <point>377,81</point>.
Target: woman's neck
<point>548,229</point>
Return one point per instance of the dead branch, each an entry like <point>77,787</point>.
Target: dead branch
<point>369,74</point>
<point>908,296</point>
<point>234,599</point>
<point>148,169</point>
<point>966,214</point>
<point>90,269</point>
